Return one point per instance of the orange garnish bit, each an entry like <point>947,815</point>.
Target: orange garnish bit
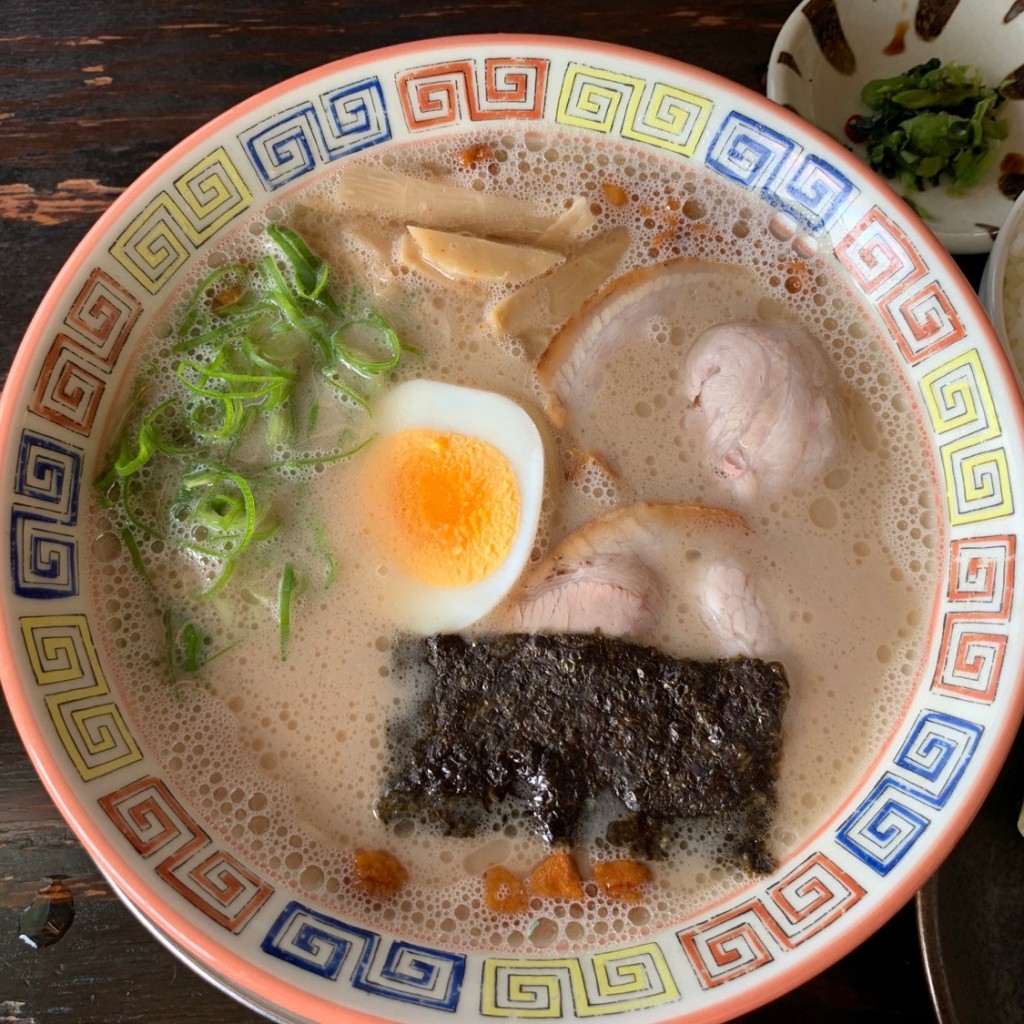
<point>556,877</point>
<point>379,873</point>
<point>227,297</point>
<point>622,879</point>
<point>478,154</point>
<point>614,194</point>
<point>798,275</point>
<point>504,892</point>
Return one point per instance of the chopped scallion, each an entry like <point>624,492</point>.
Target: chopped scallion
<point>284,607</point>
<point>256,348</point>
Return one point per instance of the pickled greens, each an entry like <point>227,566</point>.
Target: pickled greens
<point>935,123</point>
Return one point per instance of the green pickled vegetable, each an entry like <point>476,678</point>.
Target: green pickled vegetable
<point>936,123</point>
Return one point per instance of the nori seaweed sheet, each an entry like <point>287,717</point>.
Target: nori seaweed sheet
<point>543,724</point>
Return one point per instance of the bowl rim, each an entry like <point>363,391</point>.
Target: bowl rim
<point>241,973</point>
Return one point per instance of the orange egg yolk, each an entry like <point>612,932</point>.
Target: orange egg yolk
<point>443,507</point>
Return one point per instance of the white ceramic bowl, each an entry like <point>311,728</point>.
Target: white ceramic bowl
<point>825,53</point>
<point>992,288</point>
<point>173,845</point>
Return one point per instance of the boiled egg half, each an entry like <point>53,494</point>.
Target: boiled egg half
<point>451,491</point>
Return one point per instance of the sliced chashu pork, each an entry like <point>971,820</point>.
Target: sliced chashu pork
<point>572,367</point>
<point>734,611</point>
<point>767,402</point>
<point>615,573</point>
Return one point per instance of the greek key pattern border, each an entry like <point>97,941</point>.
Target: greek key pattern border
<point>179,220</point>
<point>610,981</point>
<point>83,711</point>
<point>904,802</point>
<point>208,877</point>
<point>330,948</point>
<point>755,932</point>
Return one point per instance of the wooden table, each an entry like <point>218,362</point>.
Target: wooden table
<point>93,92</point>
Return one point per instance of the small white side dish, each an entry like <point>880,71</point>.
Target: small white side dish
<point>1002,284</point>
<point>825,54</point>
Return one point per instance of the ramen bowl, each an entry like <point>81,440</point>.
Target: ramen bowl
<point>216,816</point>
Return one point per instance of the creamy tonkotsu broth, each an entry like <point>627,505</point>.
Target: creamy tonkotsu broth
<point>283,760</point>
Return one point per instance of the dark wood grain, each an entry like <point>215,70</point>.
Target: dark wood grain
<point>90,95</point>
